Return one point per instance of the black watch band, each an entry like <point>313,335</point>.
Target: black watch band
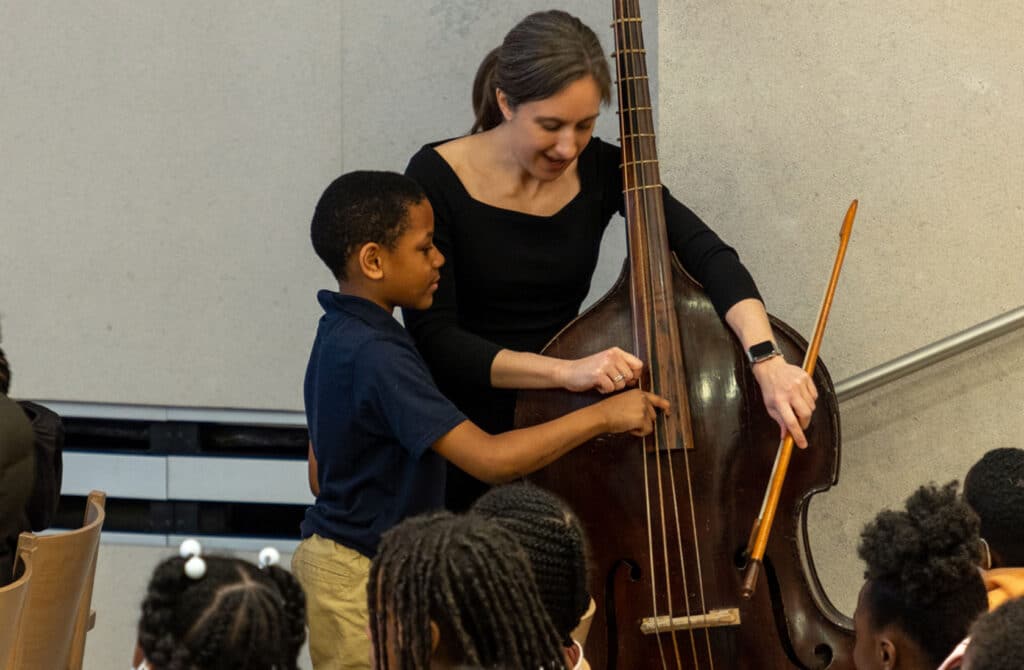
<point>762,351</point>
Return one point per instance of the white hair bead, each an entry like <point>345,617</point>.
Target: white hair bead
<point>190,547</point>
<point>269,556</point>
<point>195,567</point>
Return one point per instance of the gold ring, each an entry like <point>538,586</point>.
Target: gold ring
<point>618,378</point>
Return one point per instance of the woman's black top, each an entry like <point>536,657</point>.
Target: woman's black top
<point>513,280</point>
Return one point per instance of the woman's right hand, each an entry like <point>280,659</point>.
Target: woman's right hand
<point>606,371</point>
<point>633,411</point>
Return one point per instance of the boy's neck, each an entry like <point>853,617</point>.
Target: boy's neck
<point>366,292</point>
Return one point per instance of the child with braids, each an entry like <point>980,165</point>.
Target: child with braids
<point>553,539</point>
<point>994,488</point>
<point>450,592</point>
<point>220,613</point>
<point>380,430</point>
<point>923,588</point>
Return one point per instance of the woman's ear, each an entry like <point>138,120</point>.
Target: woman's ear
<point>370,261</point>
<point>503,104</point>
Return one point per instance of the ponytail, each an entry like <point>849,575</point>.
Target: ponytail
<point>485,102</point>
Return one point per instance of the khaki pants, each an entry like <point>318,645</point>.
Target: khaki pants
<point>334,579</point>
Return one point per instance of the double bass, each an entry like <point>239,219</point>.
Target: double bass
<point>668,515</point>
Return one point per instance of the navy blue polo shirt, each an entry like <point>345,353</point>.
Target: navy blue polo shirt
<point>373,412</point>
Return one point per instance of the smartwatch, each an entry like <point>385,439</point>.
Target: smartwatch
<point>762,351</point>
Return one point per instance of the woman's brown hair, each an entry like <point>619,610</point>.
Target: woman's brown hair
<point>541,55</point>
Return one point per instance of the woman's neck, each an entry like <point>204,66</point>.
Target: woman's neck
<point>499,155</point>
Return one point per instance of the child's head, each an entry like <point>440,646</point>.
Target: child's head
<point>994,488</point>
<point>5,374</point>
<point>553,539</point>
<point>447,591</point>
<point>923,586</point>
<point>375,232</point>
<point>997,639</point>
<point>235,616</point>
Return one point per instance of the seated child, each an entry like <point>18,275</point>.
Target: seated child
<point>994,488</point>
<point>997,639</point>
<point>449,592</point>
<point>380,430</point>
<point>922,589</point>
<point>553,539</point>
<point>220,613</point>
<point>17,472</point>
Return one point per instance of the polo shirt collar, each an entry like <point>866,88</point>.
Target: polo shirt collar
<point>364,309</point>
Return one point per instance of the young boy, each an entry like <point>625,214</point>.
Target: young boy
<point>994,488</point>
<point>380,430</point>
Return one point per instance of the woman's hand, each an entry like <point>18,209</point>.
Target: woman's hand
<point>607,371</point>
<point>789,396</point>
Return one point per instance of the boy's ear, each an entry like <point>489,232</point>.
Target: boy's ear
<point>369,260</point>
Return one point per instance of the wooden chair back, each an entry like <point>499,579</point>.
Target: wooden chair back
<point>57,611</point>
<point>12,602</point>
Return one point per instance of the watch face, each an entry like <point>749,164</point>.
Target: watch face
<point>761,349</point>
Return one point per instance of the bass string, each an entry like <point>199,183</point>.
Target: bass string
<point>631,42</point>
<point>636,231</point>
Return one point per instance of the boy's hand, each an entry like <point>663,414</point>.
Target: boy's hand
<point>607,371</point>
<point>633,411</point>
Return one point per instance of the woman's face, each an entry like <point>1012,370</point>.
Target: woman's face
<point>549,134</point>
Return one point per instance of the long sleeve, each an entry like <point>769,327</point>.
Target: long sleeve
<point>701,251</point>
<point>456,356</point>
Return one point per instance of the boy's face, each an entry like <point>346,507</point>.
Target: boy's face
<point>411,268</point>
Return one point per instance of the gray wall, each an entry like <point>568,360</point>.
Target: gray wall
<point>774,115</point>
<point>161,162</point>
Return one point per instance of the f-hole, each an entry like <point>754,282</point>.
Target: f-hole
<point>610,618</point>
<point>822,651</point>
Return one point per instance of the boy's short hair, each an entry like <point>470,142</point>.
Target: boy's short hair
<point>994,488</point>
<point>360,207</point>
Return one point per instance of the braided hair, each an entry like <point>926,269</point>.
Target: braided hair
<point>553,539</point>
<point>996,640</point>
<point>994,488</point>
<point>922,570</point>
<point>467,576</point>
<point>236,617</point>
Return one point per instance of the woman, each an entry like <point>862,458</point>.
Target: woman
<point>520,206</point>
